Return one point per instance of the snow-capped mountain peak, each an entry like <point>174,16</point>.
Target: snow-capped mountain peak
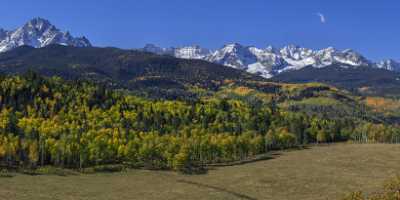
<point>232,47</point>
<point>389,64</point>
<point>295,52</point>
<point>351,57</point>
<point>37,33</point>
<point>38,24</point>
<point>191,52</point>
<point>234,55</point>
<point>187,52</point>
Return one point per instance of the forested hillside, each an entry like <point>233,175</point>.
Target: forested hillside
<point>167,77</point>
<point>77,124</point>
<point>359,80</point>
<point>146,73</point>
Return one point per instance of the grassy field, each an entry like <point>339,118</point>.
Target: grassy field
<point>324,172</point>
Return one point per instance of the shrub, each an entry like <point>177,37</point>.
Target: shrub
<point>391,191</point>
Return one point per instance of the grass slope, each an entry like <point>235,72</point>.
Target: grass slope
<point>322,172</point>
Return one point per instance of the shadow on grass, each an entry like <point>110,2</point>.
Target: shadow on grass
<point>263,157</point>
<point>236,194</point>
<point>243,162</point>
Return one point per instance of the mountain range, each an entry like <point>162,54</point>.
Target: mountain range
<point>40,46</point>
<point>267,62</point>
<point>271,61</point>
<point>38,33</point>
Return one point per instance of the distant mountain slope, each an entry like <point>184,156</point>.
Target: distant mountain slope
<point>364,80</point>
<point>37,33</point>
<point>123,68</point>
<point>271,61</point>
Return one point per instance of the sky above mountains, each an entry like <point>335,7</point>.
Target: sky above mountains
<point>370,27</point>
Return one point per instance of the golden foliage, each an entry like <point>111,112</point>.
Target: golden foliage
<point>242,91</point>
<point>380,104</point>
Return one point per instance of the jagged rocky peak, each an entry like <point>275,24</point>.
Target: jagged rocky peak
<point>330,51</point>
<point>38,25</point>
<point>325,57</point>
<point>234,55</point>
<point>389,64</point>
<point>186,52</point>
<point>295,52</point>
<point>351,57</point>
<point>327,51</point>
<point>37,33</point>
<point>191,52</point>
<point>233,47</point>
<point>268,57</point>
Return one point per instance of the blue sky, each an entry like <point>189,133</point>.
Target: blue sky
<point>370,27</point>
